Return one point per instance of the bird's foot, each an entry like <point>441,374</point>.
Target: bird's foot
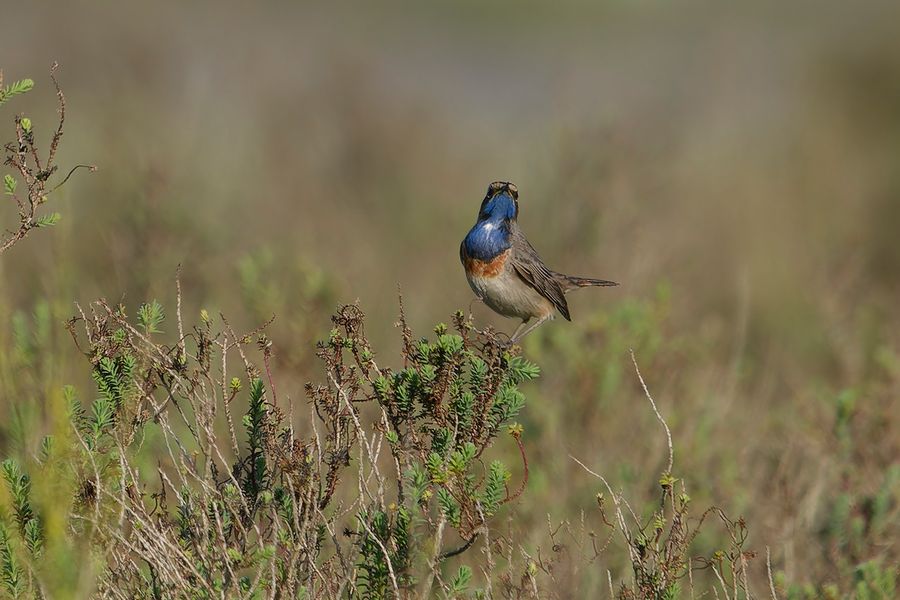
<point>507,343</point>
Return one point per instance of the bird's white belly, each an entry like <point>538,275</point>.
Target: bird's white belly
<point>508,295</point>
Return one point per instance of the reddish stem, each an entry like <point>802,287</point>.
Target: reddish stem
<point>521,489</point>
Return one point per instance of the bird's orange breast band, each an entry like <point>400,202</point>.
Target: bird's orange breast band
<point>486,268</point>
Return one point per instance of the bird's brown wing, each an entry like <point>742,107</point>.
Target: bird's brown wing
<point>529,266</point>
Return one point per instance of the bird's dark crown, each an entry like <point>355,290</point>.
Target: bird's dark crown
<point>502,186</point>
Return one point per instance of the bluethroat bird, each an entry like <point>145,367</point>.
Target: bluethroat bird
<point>505,271</point>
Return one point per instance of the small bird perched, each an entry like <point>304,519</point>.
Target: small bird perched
<point>505,271</point>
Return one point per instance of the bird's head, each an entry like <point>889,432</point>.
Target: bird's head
<point>501,203</point>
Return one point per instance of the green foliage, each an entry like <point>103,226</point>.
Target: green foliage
<point>113,377</point>
<point>418,482</point>
<point>507,406</point>
<point>12,575</point>
<point>102,419</point>
<point>29,538</point>
<point>460,582</point>
<point>150,316</point>
<point>460,459</point>
<point>115,383</point>
<point>384,550</point>
<point>874,581</point>
<point>494,488</point>
<point>449,507</point>
<point>15,88</point>
<point>673,592</point>
<point>34,538</point>
<point>255,422</point>
<point>520,370</point>
<point>46,452</point>
<point>48,220</point>
<point>19,486</point>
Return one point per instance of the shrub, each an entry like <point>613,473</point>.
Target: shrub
<point>361,503</point>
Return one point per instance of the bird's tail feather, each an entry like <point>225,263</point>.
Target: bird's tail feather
<point>574,282</point>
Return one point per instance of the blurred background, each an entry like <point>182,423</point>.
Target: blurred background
<point>735,166</point>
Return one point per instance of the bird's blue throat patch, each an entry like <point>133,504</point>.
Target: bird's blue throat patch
<point>490,235</point>
<point>487,240</point>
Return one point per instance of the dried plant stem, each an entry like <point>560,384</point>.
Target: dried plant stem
<point>657,413</point>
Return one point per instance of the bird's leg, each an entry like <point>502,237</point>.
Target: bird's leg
<point>518,336</point>
<point>515,335</point>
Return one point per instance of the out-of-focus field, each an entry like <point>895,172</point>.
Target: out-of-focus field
<point>735,167</point>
